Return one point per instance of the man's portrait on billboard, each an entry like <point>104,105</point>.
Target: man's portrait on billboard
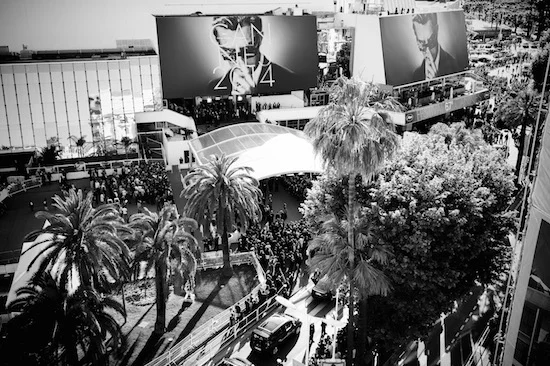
<point>436,61</point>
<point>423,46</point>
<point>233,54</point>
<point>246,69</point>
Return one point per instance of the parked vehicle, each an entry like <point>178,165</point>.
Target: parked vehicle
<point>322,290</point>
<point>274,331</point>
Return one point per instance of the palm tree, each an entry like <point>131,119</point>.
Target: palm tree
<point>519,109</point>
<point>334,253</point>
<point>48,155</point>
<point>126,143</point>
<point>83,246</point>
<point>165,240</point>
<point>354,135</point>
<point>75,326</point>
<point>229,194</point>
<point>79,142</point>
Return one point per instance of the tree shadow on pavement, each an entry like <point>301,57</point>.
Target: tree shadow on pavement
<point>173,323</point>
<point>200,311</point>
<point>148,351</point>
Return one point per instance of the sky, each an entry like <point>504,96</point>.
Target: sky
<point>79,24</point>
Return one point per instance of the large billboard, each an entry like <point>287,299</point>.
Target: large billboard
<point>236,55</point>
<point>423,46</point>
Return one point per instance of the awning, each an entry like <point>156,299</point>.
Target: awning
<point>270,150</point>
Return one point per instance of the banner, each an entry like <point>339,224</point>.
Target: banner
<point>236,55</point>
<point>423,46</point>
<point>449,105</point>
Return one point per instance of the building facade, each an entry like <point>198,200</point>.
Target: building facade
<point>62,101</point>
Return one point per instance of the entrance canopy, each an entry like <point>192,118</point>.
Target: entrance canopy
<point>270,150</point>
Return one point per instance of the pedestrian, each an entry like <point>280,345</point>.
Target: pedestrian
<point>311,333</point>
<point>323,329</point>
<point>45,204</point>
<point>31,205</point>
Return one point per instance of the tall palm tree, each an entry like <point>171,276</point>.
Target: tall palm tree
<point>76,326</point>
<point>353,134</point>
<point>83,245</point>
<point>165,239</point>
<point>519,109</point>
<point>218,190</point>
<point>359,264</point>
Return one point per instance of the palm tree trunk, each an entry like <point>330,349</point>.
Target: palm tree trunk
<point>72,355</point>
<point>521,148</point>
<point>362,331</point>
<point>351,325</point>
<point>160,284</point>
<point>227,270</point>
<point>351,240</point>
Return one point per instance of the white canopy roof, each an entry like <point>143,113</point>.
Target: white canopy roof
<point>270,150</point>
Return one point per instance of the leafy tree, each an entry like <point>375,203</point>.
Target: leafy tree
<point>166,243</point>
<point>27,337</point>
<point>219,191</point>
<point>354,135</point>
<point>71,327</point>
<point>83,246</point>
<point>440,207</point>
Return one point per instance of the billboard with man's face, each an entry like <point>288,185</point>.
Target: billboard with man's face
<point>237,54</point>
<point>423,46</point>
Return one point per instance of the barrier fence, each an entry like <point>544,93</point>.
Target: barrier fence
<point>209,330</point>
<point>200,353</point>
<point>86,166</point>
<point>17,187</point>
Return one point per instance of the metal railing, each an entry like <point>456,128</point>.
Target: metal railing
<point>202,351</point>
<point>86,166</point>
<point>213,326</point>
<point>480,356</point>
<point>17,187</point>
<point>205,353</point>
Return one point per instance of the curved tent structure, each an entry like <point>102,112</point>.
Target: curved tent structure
<point>270,150</point>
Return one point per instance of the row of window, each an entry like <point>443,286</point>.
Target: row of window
<point>43,102</point>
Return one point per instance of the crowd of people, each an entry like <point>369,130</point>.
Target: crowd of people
<point>265,106</point>
<point>145,182</point>
<point>280,246</point>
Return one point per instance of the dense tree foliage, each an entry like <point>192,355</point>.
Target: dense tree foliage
<point>55,325</point>
<point>440,207</point>
<point>82,246</point>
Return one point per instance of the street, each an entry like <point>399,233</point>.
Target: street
<point>295,347</point>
